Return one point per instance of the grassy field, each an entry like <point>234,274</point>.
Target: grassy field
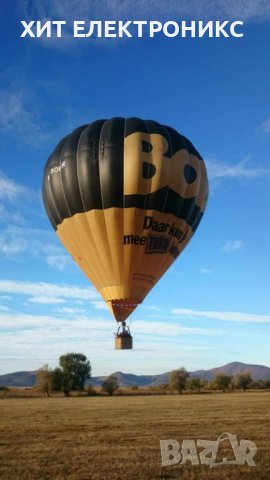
<point>113,438</point>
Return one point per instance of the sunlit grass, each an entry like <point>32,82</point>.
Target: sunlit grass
<point>100,438</point>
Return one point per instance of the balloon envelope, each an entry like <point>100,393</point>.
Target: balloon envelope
<point>125,197</point>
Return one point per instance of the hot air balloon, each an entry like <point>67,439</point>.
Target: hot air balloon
<point>125,197</point>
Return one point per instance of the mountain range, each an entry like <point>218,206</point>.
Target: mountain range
<point>258,372</point>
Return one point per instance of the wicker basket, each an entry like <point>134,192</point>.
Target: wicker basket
<point>123,343</point>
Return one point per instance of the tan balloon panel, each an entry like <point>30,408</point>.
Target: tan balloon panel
<point>150,194</point>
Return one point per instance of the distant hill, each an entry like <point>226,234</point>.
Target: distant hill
<point>258,372</point>
<point>129,379</point>
<point>18,379</point>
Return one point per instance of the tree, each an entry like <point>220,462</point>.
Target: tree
<point>259,384</point>
<point>91,392</point>
<point>56,379</point>
<point>42,380</point>
<point>222,381</point>
<point>178,379</point>
<point>4,389</point>
<point>76,370</point>
<point>207,384</point>
<point>110,385</point>
<point>267,383</point>
<point>243,380</point>
<point>195,383</point>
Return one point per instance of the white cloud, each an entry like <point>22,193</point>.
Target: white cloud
<point>17,203</point>
<point>150,307</point>
<point>59,262</point>
<point>232,246</point>
<point>217,170</point>
<point>4,308</point>
<point>84,324</point>
<point>12,247</point>
<point>223,316</point>
<point>46,300</point>
<point>13,217</point>
<point>54,326</point>
<point>13,240</point>
<point>9,189</point>
<point>205,271</point>
<point>70,311</point>
<point>39,336</point>
<point>29,341</point>
<point>36,243</point>
<point>17,115</point>
<point>169,329</point>
<point>47,290</point>
<point>99,305</point>
<point>265,126</point>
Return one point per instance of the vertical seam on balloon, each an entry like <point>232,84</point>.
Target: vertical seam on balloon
<point>170,145</point>
<point>166,259</point>
<point>140,257</point>
<point>101,145</point>
<point>148,133</point>
<point>74,239</point>
<point>77,161</point>
<point>187,216</point>
<point>135,265</point>
<point>89,225</point>
<point>202,209</point>
<point>123,163</point>
<point>186,184</point>
<point>191,210</point>
<point>102,201</point>
<point>73,242</point>
<point>124,199</point>
<point>53,199</point>
<point>130,256</point>
<point>61,180</point>
<point>116,208</point>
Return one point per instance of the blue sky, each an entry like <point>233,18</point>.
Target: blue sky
<point>212,306</point>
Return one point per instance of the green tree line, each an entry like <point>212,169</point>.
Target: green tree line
<point>74,371</point>
<point>180,380</point>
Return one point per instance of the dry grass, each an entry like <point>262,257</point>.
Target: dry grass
<point>104,438</point>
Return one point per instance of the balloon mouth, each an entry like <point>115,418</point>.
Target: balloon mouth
<point>122,308</point>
